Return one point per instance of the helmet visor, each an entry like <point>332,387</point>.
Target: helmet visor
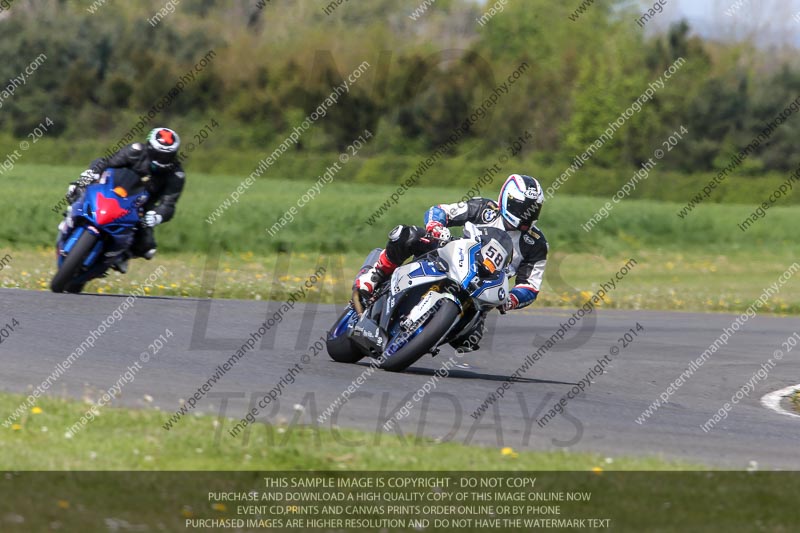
<point>162,159</point>
<point>526,211</point>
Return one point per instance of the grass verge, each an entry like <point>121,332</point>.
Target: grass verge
<point>165,480</point>
<point>133,439</point>
<point>337,217</point>
<point>688,280</point>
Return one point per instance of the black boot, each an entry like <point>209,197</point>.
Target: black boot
<point>121,264</point>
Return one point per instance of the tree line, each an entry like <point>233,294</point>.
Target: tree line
<point>276,62</point>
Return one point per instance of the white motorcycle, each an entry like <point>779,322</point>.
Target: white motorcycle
<point>433,300</point>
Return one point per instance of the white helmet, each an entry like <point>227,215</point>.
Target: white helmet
<point>521,199</point>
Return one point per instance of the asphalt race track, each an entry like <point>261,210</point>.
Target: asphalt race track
<point>601,419</point>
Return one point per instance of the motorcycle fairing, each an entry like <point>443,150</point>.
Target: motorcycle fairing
<point>110,211</point>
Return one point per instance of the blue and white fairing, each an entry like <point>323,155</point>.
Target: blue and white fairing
<point>458,262</point>
<point>471,272</point>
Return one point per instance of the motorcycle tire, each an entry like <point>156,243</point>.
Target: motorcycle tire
<point>421,344</point>
<point>341,348</point>
<point>64,280</point>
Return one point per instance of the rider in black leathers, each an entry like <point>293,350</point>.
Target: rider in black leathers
<point>156,161</point>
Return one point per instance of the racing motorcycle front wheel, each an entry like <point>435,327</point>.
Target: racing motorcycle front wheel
<point>422,340</point>
<point>64,280</point>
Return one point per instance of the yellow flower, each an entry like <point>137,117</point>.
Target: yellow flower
<point>186,512</point>
<point>507,451</point>
<point>63,504</point>
<point>36,410</point>
<point>219,507</point>
<point>15,427</point>
<point>597,469</point>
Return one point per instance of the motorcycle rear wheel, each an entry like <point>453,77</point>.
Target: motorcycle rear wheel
<point>341,348</point>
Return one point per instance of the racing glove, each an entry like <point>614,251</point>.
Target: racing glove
<point>511,303</point>
<point>437,230</point>
<point>86,178</point>
<point>152,219</point>
<point>519,297</point>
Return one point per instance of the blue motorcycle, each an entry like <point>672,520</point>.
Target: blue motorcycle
<point>103,221</point>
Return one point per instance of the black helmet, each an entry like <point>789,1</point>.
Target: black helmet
<point>162,147</point>
<point>521,200</point>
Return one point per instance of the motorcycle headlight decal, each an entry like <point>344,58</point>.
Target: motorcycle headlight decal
<point>108,209</point>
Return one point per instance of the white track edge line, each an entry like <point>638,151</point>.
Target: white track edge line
<point>772,400</point>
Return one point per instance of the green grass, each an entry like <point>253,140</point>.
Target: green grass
<point>377,164</point>
<point>336,220</point>
<point>133,439</point>
<point>163,478</point>
<point>685,281</point>
<point>701,263</point>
